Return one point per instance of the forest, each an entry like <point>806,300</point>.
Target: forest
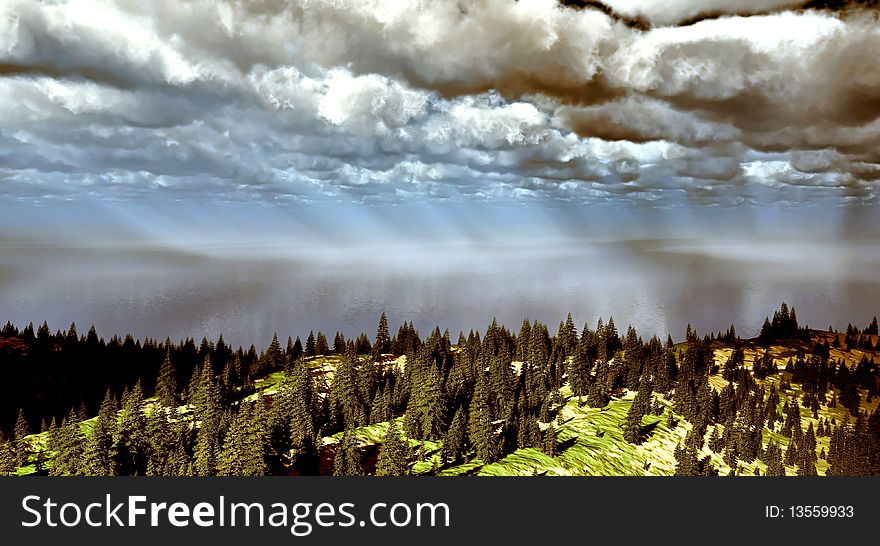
<point>532,401</point>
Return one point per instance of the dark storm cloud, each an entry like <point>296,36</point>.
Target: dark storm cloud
<point>475,100</point>
<point>644,14</point>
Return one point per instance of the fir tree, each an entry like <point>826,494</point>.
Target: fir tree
<point>131,442</point>
<point>482,429</point>
<point>345,395</point>
<point>208,415</point>
<point>339,343</point>
<point>772,457</point>
<point>8,458</point>
<point>632,428</point>
<point>383,339</point>
<point>424,418</point>
<point>68,448</point>
<point>716,444</point>
<point>872,329</point>
<point>99,457</point>
<point>523,340</point>
<point>455,440</point>
<point>597,397</point>
<point>274,358</point>
<point>162,439</point>
<point>311,346</point>
<point>305,420</point>
<point>243,451</point>
<point>394,455</point>
<point>807,454</point>
<point>791,454</point>
<point>295,352</point>
<point>347,461</point>
<point>549,443</point>
<point>166,384</point>
<point>22,445</point>
<point>321,347</point>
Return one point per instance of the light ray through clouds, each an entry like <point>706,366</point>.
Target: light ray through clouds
<point>364,129</point>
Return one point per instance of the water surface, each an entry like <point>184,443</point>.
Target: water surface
<point>246,294</point>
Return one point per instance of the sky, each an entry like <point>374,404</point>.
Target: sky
<point>256,126</point>
<point>121,104</point>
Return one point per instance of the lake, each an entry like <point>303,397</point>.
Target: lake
<point>247,293</point>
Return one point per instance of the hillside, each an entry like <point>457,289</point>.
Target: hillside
<point>587,440</point>
<point>590,440</point>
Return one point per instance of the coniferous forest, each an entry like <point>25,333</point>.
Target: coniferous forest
<point>540,399</point>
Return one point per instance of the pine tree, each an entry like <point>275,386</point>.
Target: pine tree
<point>791,454</point>
<point>321,347</point>
<point>166,384</point>
<point>523,340</point>
<point>383,339</point>
<point>715,442</point>
<point>455,439</point>
<point>731,456</point>
<point>482,429</point>
<point>579,376</point>
<point>244,445</point>
<point>345,395</point>
<point>52,431</point>
<point>99,457</point>
<point>131,442</point>
<point>273,358</point>
<point>8,458</point>
<point>22,445</point>
<point>549,443</point>
<point>597,397</point>
<point>304,423</point>
<point>347,461</point>
<point>685,461</point>
<point>807,454</point>
<point>68,448</point>
<point>162,439</point>
<point>424,418</point>
<point>872,329</point>
<point>773,458</point>
<point>394,455</point>
<point>538,345</point>
<point>632,429</point>
<point>208,415</point>
<point>296,351</point>
<point>338,343</point>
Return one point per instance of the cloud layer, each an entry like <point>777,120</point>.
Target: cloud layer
<point>384,101</point>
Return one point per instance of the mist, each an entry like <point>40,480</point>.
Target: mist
<point>659,286</point>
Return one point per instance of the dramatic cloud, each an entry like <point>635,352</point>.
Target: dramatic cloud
<point>663,12</point>
<point>483,100</point>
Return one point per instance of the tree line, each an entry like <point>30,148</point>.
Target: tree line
<point>484,396</point>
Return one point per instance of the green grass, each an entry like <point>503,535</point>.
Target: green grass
<point>590,439</point>
<point>591,442</point>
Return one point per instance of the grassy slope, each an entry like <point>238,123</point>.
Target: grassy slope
<point>781,354</point>
<point>590,439</point>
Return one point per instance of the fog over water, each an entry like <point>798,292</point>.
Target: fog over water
<point>247,293</point>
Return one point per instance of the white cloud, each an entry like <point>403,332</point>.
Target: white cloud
<point>363,101</point>
<point>482,99</point>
